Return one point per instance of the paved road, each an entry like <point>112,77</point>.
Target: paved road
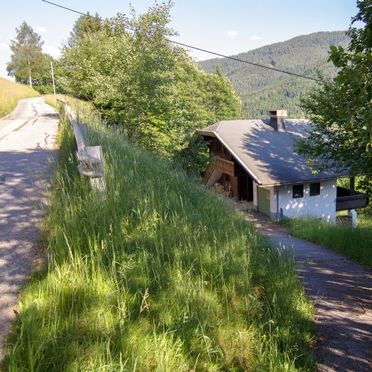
<point>27,150</point>
<point>341,291</point>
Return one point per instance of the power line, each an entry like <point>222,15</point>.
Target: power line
<point>69,9</point>
<point>243,61</point>
<point>197,48</point>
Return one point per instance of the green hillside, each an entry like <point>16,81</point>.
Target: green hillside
<point>262,90</point>
<point>11,93</point>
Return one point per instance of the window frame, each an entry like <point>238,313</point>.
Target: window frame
<point>317,190</point>
<point>297,195</point>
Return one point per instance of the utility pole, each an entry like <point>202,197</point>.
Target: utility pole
<point>29,74</point>
<point>54,86</point>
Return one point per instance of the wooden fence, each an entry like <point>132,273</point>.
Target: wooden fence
<point>89,157</point>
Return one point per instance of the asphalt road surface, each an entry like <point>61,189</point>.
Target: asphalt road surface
<point>27,159</point>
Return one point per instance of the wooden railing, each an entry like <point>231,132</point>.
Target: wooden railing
<point>89,157</point>
<point>346,200</point>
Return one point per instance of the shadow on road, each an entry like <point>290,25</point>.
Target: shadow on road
<point>341,291</point>
<point>23,180</point>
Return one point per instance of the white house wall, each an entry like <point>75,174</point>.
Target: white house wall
<point>318,206</point>
<point>255,203</point>
<point>273,203</point>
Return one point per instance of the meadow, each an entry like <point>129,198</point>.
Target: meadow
<point>158,275</point>
<point>11,93</point>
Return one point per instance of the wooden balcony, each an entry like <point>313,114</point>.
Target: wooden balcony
<point>220,164</point>
<point>345,200</point>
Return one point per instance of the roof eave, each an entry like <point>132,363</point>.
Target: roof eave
<point>309,180</point>
<point>206,133</point>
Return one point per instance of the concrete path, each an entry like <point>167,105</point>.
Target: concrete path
<point>27,150</point>
<point>341,291</point>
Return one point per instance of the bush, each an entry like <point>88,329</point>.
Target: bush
<point>43,89</point>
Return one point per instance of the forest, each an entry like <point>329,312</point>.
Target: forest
<point>262,90</point>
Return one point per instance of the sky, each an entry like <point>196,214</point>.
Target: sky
<point>226,26</point>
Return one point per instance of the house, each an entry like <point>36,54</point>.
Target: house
<point>255,161</point>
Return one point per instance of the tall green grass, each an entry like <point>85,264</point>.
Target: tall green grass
<point>158,276</point>
<point>11,93</point>
<point>51,99</point>
<point>354,243</point>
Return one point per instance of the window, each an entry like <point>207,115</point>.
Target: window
<point>298,191</point>
<point>314,189</point>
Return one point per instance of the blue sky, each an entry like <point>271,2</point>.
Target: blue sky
<point>226,26</point>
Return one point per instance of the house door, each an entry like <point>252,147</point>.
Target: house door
<point>245,186</point>
<point>263,200</point>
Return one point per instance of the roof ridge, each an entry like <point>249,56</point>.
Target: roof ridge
<point>218,126</point>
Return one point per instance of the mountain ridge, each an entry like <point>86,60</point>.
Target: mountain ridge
<point>262,90</point>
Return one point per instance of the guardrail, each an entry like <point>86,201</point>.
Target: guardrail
<point>89,157</point>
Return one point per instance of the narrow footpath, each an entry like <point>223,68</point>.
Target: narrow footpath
<point>27,159</point>
<point>341,291</point>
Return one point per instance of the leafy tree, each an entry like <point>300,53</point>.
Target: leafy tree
<point>341,110</point>
<point>27,59</point>
<point>140,81</point>
<point>84,26</point>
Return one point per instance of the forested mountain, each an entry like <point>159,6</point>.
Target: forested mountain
<point>262,90</point>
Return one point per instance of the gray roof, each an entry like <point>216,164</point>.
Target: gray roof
<point>268,155</point>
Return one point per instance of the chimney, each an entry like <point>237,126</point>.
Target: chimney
<point>277,118</point>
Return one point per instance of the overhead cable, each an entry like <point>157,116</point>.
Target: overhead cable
<point>197,48</point>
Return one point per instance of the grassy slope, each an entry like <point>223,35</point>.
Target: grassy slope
<point>354,243</point>
<point>51,100</point>
<point>159,276</point>
<point>11,93</point>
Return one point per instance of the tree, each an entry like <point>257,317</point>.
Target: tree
<point>27,59</point>
<point>84,26</point>
<point>142,82</point>
<point>341,109</point>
